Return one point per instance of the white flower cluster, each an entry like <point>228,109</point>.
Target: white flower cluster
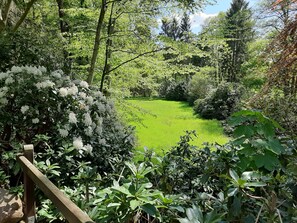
<point>73,90</point>
<point>79,115</point>
<point>24,109</point>
<point>45,84</point>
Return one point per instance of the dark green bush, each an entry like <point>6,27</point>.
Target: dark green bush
<point>221,103</point>
<point>199,87</point>
<point>177,91</point>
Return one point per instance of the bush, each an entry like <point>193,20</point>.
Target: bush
<point>281,108</point>
<point>199,87</point>
<point>221,103</point>
<point>177,91</point>
<point>58,114</point>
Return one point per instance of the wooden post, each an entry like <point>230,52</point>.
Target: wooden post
<point>29,188</point>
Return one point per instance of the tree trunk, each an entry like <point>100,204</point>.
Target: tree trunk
<point>24,15</point>
<point>110,31</point>
<point>4,16</point>
<point>97,41</point>
<point>64,28</point>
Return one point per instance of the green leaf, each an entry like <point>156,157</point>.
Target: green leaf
<point>268,161</point>
<point>259,143</point>
<point>267,130</point>
<point>236,206</point>
<point>244,130</point>
<point>232,192</point>
<point>134,204</point>
<point>256,184</point>
<point>150,209</point>
<point>132,168</point>
<point>183,220</point>
<point>234,175</point>
<point>213,217</point>
<point>275,146</point>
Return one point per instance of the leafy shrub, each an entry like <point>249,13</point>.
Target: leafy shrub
<point>249,177</point>
<point>177,91</point>
<point>71,114</point>
<point>199,87</point>
<point>221,103</point>
<point>281,108</point>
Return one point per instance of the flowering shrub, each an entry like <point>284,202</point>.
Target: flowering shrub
<point>36,102</point>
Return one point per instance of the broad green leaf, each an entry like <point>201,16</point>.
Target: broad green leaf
<point>134,204</point>
<point>275,146</point>
<point>132,168</point>
<point>259,143</point>
<point>114,205</point>
<point>213,217</point>
<point>244,130</point>
<point>268,161</point>
<point>150,209</point>
<point>183,220</point>
<point>232,192</point>
<point>233,174</point>
<point>194,214</point>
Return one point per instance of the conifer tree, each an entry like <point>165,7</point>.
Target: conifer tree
<point>238,32</point>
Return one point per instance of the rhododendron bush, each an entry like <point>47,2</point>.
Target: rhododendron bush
<point>70,114</point>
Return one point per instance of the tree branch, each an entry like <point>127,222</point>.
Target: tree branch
<point>24,15</point>
<point>4,17</point>
<point>134,58</point>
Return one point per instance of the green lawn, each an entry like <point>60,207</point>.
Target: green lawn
<point>165,121</point>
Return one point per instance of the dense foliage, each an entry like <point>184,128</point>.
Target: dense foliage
<point>221,103</point>
<point>48,49</point>
<point>36,103</point>
<point>234,182</point>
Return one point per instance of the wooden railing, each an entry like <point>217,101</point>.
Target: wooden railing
<point>32,177</point>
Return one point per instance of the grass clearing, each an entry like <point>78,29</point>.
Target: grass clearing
<point>163,122</point>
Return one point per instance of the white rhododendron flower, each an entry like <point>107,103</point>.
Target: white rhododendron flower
<point>24,109</point>
<point>3,75</point>
<point>73,90</point>
<point>89,131</point>
<point>89,100</point>
<point>99,130</point>
<point>72,118</point>
<point>101,108</point>
<point>83,95</point>
<point>9,80</point>
<point>42,69</point>
<point>3,101</point>
<point>84,84</point>
<point>63,132</point>
<point>45,84</point>
<point>78,144</point>
<point>88,148</point>
<point>35,120</point>
<point>56,74</point>
<point>87,119</point>
<point>63,92</point>
<point>15,69</point>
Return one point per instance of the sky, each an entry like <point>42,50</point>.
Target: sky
<point>212,10</point>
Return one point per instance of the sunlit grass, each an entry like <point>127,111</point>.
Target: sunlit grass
<point>165,121</point>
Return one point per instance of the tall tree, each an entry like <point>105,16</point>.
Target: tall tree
<point>185,27</point>
<point>274,15</point>
<point>103,9</point>
<point>238,31</point>
<point>175,29</point>
<point>5,11</point>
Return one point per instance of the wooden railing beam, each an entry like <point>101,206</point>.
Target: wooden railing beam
<point>29,210</point>
<point>70,211</point>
